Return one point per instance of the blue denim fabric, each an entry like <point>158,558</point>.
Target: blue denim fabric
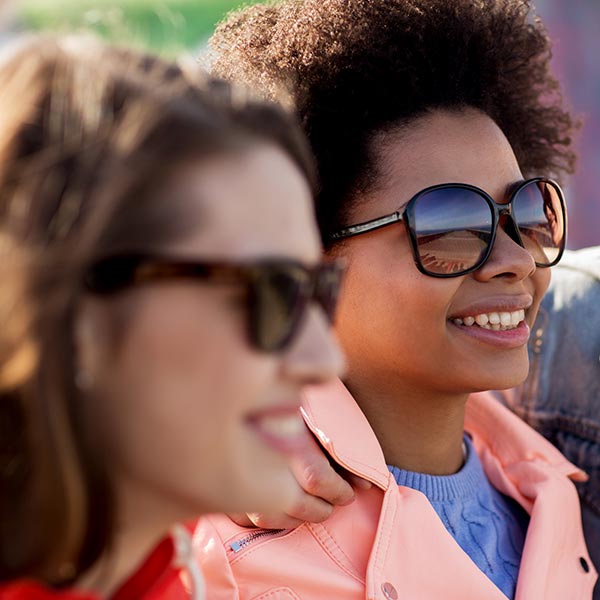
<point>561,396</point>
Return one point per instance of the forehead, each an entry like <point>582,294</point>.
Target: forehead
<point>255,203</point>
<point>463,146</point>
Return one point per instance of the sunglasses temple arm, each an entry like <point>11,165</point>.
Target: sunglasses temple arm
<point>367,226</point>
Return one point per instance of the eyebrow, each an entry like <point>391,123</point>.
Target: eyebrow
<point>511,187</point>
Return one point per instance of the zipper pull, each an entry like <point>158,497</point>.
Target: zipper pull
<point>241,543</point>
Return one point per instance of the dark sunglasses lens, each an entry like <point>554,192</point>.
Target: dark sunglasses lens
<point>281,295</point>
<point>277,306</point>
<point>538,212</point>
<point>452,228</point>
<point>329,278</point>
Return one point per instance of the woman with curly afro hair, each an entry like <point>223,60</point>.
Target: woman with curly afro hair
<point>439,134</point>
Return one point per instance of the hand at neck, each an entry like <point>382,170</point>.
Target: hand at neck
<point>419,430</point>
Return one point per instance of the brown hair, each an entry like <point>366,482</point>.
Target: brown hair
<point>89,134</point>
<point>355,68</point>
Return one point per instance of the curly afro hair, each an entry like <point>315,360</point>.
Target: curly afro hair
<point>353,69</point>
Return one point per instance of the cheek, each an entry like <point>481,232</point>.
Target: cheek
<point>179,349</point>
<point>179,388</point>
<point>389,304</point>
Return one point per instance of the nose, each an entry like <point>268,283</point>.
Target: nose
<point>507,259</point>
<point>315,355</point>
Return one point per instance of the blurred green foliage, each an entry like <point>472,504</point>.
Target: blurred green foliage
<point>165,26</point>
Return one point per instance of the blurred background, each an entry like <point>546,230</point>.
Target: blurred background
<point>175,27</point>
<point>169,27</point>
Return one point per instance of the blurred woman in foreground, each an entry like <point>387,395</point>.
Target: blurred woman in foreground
<point>163,303</point>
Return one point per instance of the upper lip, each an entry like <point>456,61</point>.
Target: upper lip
<point>278,409</point>
<point>495,304</point>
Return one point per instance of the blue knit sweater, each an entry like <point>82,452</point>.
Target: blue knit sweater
<point>487,525</point>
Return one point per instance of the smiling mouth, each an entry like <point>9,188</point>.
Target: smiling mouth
<point>494,321</point>
<point>281,427</point>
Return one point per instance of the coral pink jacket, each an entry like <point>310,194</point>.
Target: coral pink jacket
<point>389,543</point>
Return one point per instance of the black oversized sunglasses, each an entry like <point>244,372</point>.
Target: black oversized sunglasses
<point>452,226</point>
<point>279,290</point>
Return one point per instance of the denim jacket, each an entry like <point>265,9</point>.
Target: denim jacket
<point>561,396</point>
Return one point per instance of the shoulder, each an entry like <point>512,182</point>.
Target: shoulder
<point>499,433</point>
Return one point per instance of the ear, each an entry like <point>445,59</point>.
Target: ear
<point>91,343</point>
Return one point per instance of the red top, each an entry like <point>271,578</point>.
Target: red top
<point>30,590</point>
<point>157,578</point>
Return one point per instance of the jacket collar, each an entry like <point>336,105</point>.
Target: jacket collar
<point>343,430</point>
<point>341,427</point>
<point>485,417</point>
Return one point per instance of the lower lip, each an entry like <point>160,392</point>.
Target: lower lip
<point>511,338</point>
<point>285,444</point>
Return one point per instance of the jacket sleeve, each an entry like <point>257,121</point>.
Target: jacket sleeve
<point>210,553</point>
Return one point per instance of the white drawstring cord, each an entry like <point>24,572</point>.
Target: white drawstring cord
<point>184,559</point>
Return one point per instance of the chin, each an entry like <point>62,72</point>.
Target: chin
<point>506,371</point>
<point>263,489</point>
<point>273,493</point>
<point>504,382</point>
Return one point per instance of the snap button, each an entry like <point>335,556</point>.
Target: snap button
<point>584,564</point>
<point>389,591</point>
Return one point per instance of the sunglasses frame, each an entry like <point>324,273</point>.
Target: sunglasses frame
<point>117,273</point>
<point>498,210</point>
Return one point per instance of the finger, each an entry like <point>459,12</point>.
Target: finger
<point>273,521</point>
<point>310,508</point>
<point>241,519</point>
<point>358,482</point>
<point>318,478</point>
<point>307,508</point>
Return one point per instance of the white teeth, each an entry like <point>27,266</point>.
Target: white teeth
<point>481,320</point>
<point>288,426</point>
<point>495,321</point>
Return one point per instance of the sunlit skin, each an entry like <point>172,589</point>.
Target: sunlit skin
<point>409,367</point>
<point>171,403</point>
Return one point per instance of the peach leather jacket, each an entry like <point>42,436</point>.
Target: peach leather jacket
<point>389,543</point>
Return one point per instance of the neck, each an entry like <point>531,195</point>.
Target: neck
<point>419,430</point>
<point>119,563</point>
<point>142,522</point>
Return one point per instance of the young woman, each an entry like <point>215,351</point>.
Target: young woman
<point>163,303</point>
<point>437,128</point>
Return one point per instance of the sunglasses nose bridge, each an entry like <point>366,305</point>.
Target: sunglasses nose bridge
<point>504,210</point>
<point>506,220</point>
